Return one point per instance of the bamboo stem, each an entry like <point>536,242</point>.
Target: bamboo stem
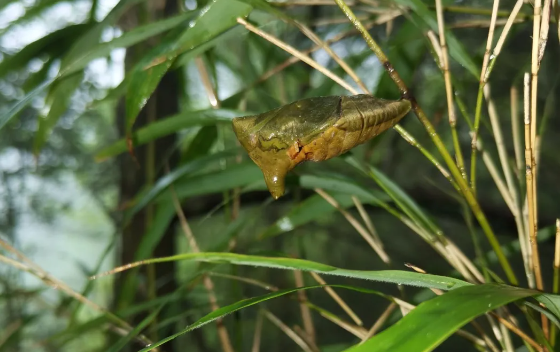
<point>305,312</point>
<point>367,221</point>
<point>380,321</point>
<point>500,145</point>
<point>515,130</point>
<point>465,189</point>
<point>355,330</point>
<point>518,332</point>
<point>291,333</point>
<point>482,82</point>
<point>531,198</point>
<point>338,299</point>
<point>361,230</point>
<point>207,281</point>
<point>258,333</point>
<point>449,90</point>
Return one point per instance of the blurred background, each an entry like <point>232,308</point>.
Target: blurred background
<point>76,203</point>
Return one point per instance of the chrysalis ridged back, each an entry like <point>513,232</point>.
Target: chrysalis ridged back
<point>313,129</point>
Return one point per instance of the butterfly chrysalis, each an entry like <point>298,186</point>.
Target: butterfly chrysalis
<point>313,129</point>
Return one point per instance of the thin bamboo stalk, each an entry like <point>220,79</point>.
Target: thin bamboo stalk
<point>361,230</point>
<point>380,321</point>
<point>483,78</point>
<point>258,333</point>
<point>207,281</point>
<point>338,299</point>
<point>500,145</point>
<point>305,312</point>
<point>35,270</point>
<point>515,130</point>
<point>449,90</point>
<point>291,333</point>
<point>518,332</point>
<point>531,197</point>
<point>465,189</point>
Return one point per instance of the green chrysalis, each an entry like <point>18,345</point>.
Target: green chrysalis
<point>313,129</point>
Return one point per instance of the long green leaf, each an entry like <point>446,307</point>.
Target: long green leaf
<point>60,93</point>
<point>165,181</point>
<point>168,126</point>
<point>340,183</point>
<point>429,324</point>
<point>341,188</point>
<point>38,8</point>
<point>217,17</point>
<point>405,203</point>
<point>20,105</point>
<point>388,276</point>
<point>223,311</point>
<point>310,209</point>
<point>235,175</point>
<point>124,41</point>
<point>121,343</point>
<point>552,302</point>
<point>52,45</point>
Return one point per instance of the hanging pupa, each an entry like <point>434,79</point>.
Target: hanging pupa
<point>313,129</point>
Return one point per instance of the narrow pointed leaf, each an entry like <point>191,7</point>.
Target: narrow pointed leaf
<point>340,188</point>
<point>217,17</point>
<point>167,126</point>
<point>64,86</point>
<point>52,45</point>
<point>20,105</point>
<point>223,311</point>
<point>121,343</point>
<point>124,41</point>
<point>453,310</point>
<point>164,182</point>
<point>405,203</point>
<point>388,276</point>
<point>236,175</point>
<point>312,208</point>
<point>59,95</point>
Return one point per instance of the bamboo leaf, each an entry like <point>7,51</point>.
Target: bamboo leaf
<point>20,105</point>
<point>201,143</point>
<point>341,189</point>
<point>165,181</point>
<point>121,343</point>
<point>59,95</point>
<point>53,45</point>
<point>167,126</point>
<point>405,203</point>
<point>217,17</point>
<point>387,276</point>
<point>124,41</point>
<point>552,302</point>
<point>223,311</point>
<point>310,209</point>
<point>61,92</point>
<point>452,309</point>
<point>236,175</point>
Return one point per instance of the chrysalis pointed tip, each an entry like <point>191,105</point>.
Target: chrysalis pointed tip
<point>275,184</point>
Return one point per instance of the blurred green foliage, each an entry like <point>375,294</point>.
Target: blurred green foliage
<point>115,128</point>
